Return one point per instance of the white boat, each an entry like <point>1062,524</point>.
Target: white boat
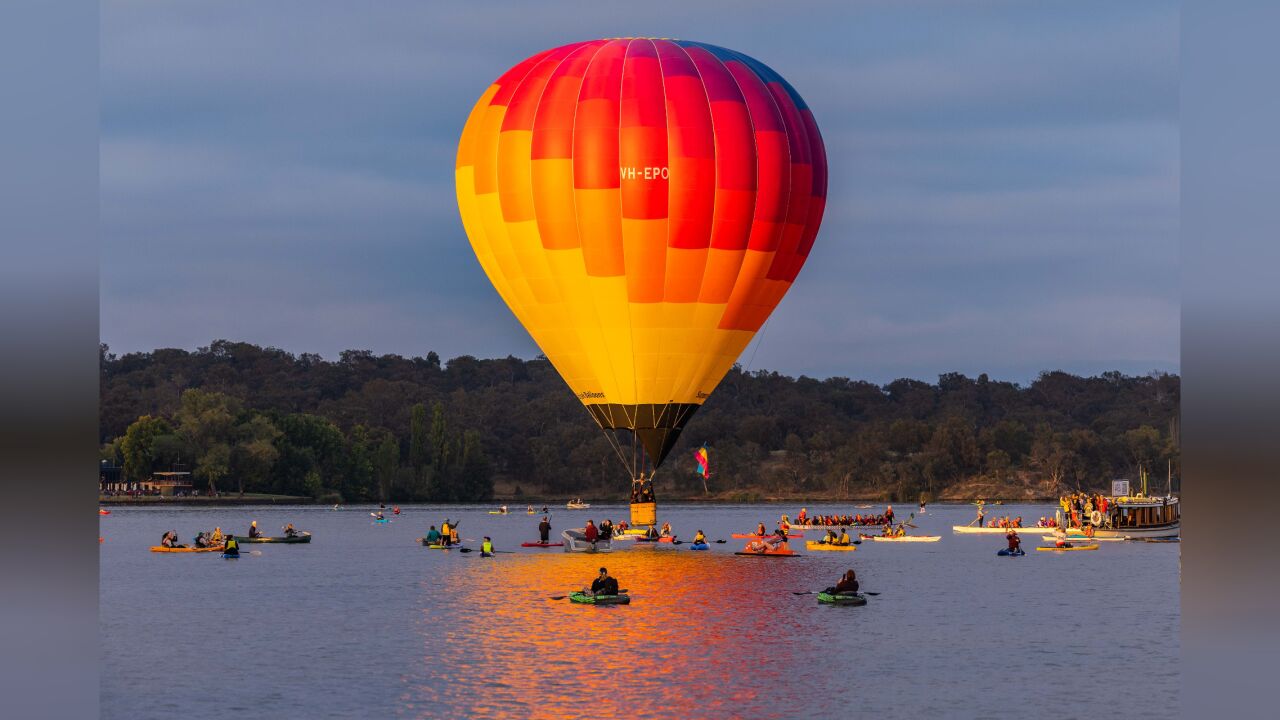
<point>576,541</point>
<point>577,505</point>
<point>971,530</point>
<point>904,538</point>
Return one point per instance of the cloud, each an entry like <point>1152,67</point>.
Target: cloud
<point>1003,192</point>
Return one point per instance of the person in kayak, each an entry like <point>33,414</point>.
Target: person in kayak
<point>232,546</point>
<point>699,538</point>
<point>170,540</point>
<point>445,532</point>
<point>606,529</point>
<point>486,547</point>
<point>544,530</point>
<point>433,536</point>
<point>830,538</point>
<point>379,516</point>
<point>604,584</point>
<point>253,529</point>
<point>202,540</point>
<point>848,584</point>
<point>591,533</point>
<point>1015,542</point>
<point>666,529</point>
<point>761,531</point>
<point>290,531</point>
<point>651,533</point>
<point>844,537</point>
<point>544,508</point>
<point>216,537</point>
<point>1060,537</point>
<point>504,509</point>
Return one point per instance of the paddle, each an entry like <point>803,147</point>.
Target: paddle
<point>815,592</point>
<point>721,542</point>
<point>561,597</point>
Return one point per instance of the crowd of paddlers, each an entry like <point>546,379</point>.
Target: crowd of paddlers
<point>868,520</point>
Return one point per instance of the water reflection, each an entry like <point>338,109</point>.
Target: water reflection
<point>703,631</point>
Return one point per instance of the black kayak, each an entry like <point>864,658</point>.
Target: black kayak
<point>302,537</point>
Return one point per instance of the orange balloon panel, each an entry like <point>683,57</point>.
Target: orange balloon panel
<point>642,205</point>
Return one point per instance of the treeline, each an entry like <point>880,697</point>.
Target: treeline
<point>394,428</point>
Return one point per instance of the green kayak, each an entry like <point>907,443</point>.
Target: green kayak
<point>841,599</point>
<point>302,537</point>
<point>600,599</point>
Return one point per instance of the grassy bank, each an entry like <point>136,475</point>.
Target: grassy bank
<point>246,499</point>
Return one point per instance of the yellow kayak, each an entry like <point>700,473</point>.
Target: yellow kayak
<point>815,545</point>
<point>161,548</point>
<point>1073,548</point>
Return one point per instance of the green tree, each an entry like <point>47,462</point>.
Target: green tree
<point>474,474</point>
<point>359,476</point>
<point>386,463</point>
<point>255,452</point>
<point>207,423</point>
<point>138,447</point>
<point>419,445</point>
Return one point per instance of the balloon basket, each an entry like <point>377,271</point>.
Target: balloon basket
<point>644,514</point>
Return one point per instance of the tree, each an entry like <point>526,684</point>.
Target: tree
<point>475,477</point>
<point>419,445</point>
<point>255,452</point>
<point>386,464</point>
<point>359,476</point>
<point>206,423</point>
<point>138,448</point>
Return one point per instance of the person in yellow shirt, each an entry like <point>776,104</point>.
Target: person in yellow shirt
<point>844,537</point>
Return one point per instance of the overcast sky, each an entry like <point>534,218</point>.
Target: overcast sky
<point>1003,193</point>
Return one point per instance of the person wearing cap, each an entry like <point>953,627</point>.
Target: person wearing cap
<point>604,584</point>
<point>253,529</point>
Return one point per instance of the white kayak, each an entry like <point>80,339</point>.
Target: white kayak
<point>904,538</point>
<point>970,530</point>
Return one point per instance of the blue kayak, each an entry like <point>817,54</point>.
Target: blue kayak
<point>699,546</point>
<point>1011,553</point>
<point>225,556</point>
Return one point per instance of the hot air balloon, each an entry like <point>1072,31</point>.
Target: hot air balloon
<point>641,205</point>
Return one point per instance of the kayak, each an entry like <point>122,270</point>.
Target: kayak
<point>968,530</point>
<point>585,599</point>
<point>835,527</point>
<point>577,506</point>
<point>699,546</point>
<point>773,553</point>
<point>576,541</point>
<point>1067,549</point>
<point>753,536</point>
<point>439,546</point>
<point>1011,553</point>
<point>103,512</point>
<point>667,539</point>
<point>230,556</point>
<point>1051,538</point>
<point>383,520</point>
<point>841,599</point>
<point>302,537</point>
<point>903,538</point>
<point>541,544</point>
<point>161,548</point>
<point>815,545</point>
<point>497,512</point>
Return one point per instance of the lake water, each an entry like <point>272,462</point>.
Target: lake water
<point>365,623</point>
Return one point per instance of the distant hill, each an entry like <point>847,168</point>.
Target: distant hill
<point>389,427</point>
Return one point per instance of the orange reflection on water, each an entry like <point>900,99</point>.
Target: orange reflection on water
<point>702,638</point>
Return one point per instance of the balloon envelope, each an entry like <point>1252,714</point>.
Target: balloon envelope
<point>642,205</point>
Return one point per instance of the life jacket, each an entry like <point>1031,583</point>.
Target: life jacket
<point>486,547</point>
<point>232,546</point>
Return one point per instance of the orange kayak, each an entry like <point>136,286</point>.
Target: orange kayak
<point>103,512</point>
<point>163,549</point>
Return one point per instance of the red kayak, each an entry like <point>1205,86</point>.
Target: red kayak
<point>745,536</point>
<point>103,512</point>
<point>542,544</point>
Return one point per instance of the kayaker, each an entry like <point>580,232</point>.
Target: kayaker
<point>453,535</point>
<point>666,529</point>
<point>379,516</point>
<point>544,530</point>
<point>170,540</point>
<point>486,547</point>
<point>802,516</point>
<point>231,547</point>
<point>888,513</point>
<point>1060,537</point>
<point>651,533</point>
<point>544,508</point>
<point>201,540</point>
<point>606,529</point>
<point>591,533</point>
<point>289,530</point>
<point>395,510</point>
<point>830,538</point>
<point>433,536</point>
<point>604,584</point>
<point>699,538</point>
<point>446,537</point>
<point>844,537</point>
<point>253,528</point>
<point>761,531</point>
<point>848,584</point>
<point>216,537</point>
<point>504,509</point>
<point>1015,542</point>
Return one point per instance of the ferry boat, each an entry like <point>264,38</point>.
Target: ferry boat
<point>1135,516</point>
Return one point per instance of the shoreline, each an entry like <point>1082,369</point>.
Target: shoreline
<point>248,499</point>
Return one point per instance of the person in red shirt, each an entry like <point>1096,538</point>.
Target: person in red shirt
<point>1015,542</point>
<point>590,532</point>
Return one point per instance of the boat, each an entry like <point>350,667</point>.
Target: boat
<point>699,546</point>
<point>770,553</point>
<point>579,597</point>
<point>1073,548</point>
<point>103,512</point>
<point>498,512</point>
<point>815,545</point>
<point>541,544</point>
<point>842,599</point>
<point>753,536</point>
<point>903,538</point>
<point>576,541</point>
<point>577,505</point>
<point>163,549</point>
<point>1051,538</point>
<point>971,530</point>
<point>836,527</point>
<point>1011,553</point>
<point>302,537</point>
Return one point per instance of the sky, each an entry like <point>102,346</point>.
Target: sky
<point>1003,193</point>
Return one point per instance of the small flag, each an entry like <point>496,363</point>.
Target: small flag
<point>703,460</point>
